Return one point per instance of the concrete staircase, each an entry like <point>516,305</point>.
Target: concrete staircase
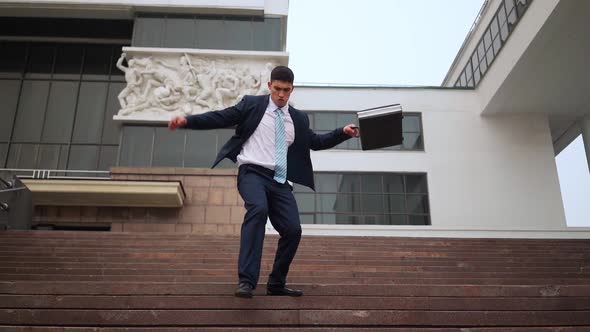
<point>95,281</point>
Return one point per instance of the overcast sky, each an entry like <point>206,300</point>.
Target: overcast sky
<point>402,42</point>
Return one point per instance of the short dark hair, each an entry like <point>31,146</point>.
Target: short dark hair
<point>282,73</point>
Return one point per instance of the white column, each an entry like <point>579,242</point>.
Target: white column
<point>585,125</point>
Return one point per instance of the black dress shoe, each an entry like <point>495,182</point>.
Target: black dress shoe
<point>283,291</point>
<point>244,290</point>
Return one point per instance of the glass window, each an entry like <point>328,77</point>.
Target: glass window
<point>149,31</point>
<point>393,183</point>
<point>487,39</point>
<point>209,33</point>
<point>201,148</point>
<point>3,154</point>
<point>372,203</point>
<point>413,141</point>
<point>418,220</point>
<point>180,32</point>
<point>168,147</point>
<point>371,183</point>
<point>12,59</point>
<point>90,112</point>
<point>60,112</point>
<point>23,156</point>
<point>325,121</point>
<point>416,184</point>
<point>238,33</point>
<point>497,45</point>
<point>49,156</point>
<point>328,183</point>
<point>31,111</point>
<point>111,129</point>
<point>494,29</point>
<point>305,202</point>
<point>223,135</point>
<point>136,147</point>
<point>9,90</point>
<point>395,204</point>
<point>417,203</point>
<point>108,157</point>
<point>83,157</point>
<point>68,61</point>
<point>40,61</point>
<point>97,62</point>
<point>307,218</point>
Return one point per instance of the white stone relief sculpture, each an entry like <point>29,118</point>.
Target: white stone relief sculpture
<point>162,85</point>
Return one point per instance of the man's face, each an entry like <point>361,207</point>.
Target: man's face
<point>280,92</point>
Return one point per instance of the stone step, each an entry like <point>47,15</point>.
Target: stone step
<point>136,302</point>
<point>277,317</point>
<point>51,287</point>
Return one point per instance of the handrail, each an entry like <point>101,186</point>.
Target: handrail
<point>52,173</point>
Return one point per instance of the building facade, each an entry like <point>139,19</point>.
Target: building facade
<point>87,90</point>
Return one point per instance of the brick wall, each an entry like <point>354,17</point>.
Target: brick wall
<point>212,205</point>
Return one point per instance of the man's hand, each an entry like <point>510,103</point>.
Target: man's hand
<point>178,121</point>
<point>352,130</point>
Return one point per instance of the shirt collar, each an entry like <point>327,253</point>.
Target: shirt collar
<point>273,106</point>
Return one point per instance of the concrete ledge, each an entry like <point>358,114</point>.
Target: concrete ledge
<point>106,193</point>
<point>430,231</point>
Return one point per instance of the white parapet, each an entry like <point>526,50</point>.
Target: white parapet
<point>163,82</point>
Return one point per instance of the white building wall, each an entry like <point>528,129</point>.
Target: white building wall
<point>484,173</point>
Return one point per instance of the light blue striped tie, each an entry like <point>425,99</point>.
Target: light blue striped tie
<point>280,148</point>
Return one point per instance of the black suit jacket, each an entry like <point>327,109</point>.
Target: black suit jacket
<point>247,114</point>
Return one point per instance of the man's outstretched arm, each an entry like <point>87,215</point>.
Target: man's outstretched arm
<point>333,138</point>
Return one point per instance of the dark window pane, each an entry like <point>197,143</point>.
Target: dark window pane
<point>83,157</point>
<point>325,121</point>
<point>297,188</point>
<point>60,112</point>
<point>238,34</point>
<point>23,156</point>
<point>413,141</point>
<point>111,128</point>
<point>343,119</point>
<point>97,62</point>
<point>416,184</point>
<point>417,203</point>
<point>209,33</point>
<point>337,203</point>
<point>497,45</point>
<point>305,202</point>
<point>116,74</point>
<point>396,219</point>
<point>268,35</point>
<point>49,156</point>
<point>201,148</point>
<point>350,183</point>
<point>223,135</point>
<point>68,62</point>
<point>307,219</point>
<point>180,32</point>
<point>347,219</point>
<point>12,59</point>
<point>325,218</point>
<point>371,183</point>
<point>3,154</point>
<point>418,220</point>
<point>149,31</point>
<point>372,203</point>
<point>136,146</point>
<point>393,183</point>
<point>411,123</point>
<point>494,29</point>
<point>8,99</point>
<point>168,148</point>
<point>31,111</point>
<point>40,61</point>
<point>487,39</point>
<point>395,204</point>
<point>327,183</point>
<point>90,112</point>
<point>108,157</point>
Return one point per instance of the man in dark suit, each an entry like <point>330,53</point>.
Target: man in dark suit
<point>271,145</point>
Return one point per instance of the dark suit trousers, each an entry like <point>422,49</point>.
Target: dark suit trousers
<point>264,197</point>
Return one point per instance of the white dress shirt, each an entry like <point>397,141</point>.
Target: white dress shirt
<point>259,149</point>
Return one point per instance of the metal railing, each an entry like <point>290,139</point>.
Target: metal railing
<point>55,173</point>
